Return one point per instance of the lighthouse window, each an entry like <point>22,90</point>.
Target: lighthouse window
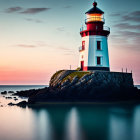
<point>98,60</point>
<point>98,45</point>
<point>83,45</point>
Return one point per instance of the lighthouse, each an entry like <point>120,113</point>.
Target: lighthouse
<point>94,49</point>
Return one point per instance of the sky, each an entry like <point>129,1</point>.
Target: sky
<point>40,37</point>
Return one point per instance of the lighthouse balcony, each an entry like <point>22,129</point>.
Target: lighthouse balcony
<point>105,31</point>
<point>83,28</point>
<point>105,28</point>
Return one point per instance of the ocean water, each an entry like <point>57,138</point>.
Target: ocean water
<point>138,86</point>
<point>99,121</point>
<point>19,87</point>
<point>15,88</point>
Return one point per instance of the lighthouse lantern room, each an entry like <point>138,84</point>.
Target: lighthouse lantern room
<point>94,49</point>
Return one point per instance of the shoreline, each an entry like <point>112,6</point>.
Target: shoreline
<point>86,103</point>
<point>51,103</point>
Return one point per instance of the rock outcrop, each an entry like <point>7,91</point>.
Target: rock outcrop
<point>4,92</point>
<point>79,79</point>
<point>20,104</point>
<point>78,86</point>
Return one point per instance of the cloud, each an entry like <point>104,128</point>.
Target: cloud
<point>119,14</point>
<point>34,20</point>
<point>34,10</point>
<point>66,50</point>
<point>127,39</point>
<point>26,46</point>
<point>115,14</point>
<point>127,33</point>
<point>132,16</point>
<point>40,44</point>
<point>135,13</point>
<point>43,44</point>
<point>34,45</point>
<point>61,29</point>
<point>13,9</point>
<point>127,26</point>
<point>21,10</point>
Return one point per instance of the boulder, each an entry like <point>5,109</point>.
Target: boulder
<point>4,92</point>
<point>11,104</point>
<point>8,97</point>
<point>10,91</point>
<point>21,104</point>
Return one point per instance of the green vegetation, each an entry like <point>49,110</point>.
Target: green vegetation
<point>78,69</point>
<point>55,75</point>
<point>79,74</point>
<point>70,76</point>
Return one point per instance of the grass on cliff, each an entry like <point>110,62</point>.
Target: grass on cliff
<point>79,74</point>
<point>55,75</point>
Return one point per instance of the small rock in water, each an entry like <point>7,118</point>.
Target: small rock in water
<point>23,103</point>
<point>15,99</point>
<point>8,97</point>
<point>10,91</point>
<point>4,92</point>
<point>11,104</point>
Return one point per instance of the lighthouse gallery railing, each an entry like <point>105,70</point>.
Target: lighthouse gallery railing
<point>104,28</point>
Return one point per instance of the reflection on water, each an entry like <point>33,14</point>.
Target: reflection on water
<point>43,128</point>
<point>73,129</point>
<point>136,125</point>
<point>68,122</point>
<point>121,124</point>
<point>71,122</point>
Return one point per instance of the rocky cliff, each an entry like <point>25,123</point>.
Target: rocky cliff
<point>76,86</point>
<point>84,80</point>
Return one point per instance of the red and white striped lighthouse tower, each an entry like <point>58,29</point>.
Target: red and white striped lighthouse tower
<point>94,49</point>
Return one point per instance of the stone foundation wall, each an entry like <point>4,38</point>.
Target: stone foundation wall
<point>78,86</point>
<point>98,79</point>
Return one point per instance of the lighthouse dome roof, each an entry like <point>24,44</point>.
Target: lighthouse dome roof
<point>95,10</point>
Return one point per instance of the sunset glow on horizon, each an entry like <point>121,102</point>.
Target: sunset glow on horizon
<point>41,37</point>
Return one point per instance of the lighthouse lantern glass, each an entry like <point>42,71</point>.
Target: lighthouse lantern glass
<point>94,17</point>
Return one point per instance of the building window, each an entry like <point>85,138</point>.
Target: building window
<point>98,45</point>
<point>98,60</point>
<point>83,45</point>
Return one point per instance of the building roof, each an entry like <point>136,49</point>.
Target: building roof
<point>95,10</point>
